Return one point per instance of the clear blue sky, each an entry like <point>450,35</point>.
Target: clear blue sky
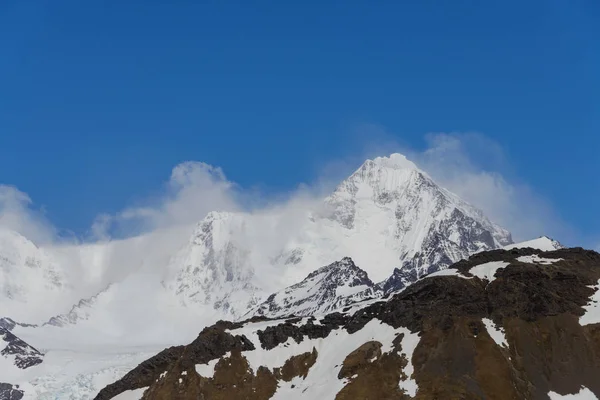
<point>99,100</point>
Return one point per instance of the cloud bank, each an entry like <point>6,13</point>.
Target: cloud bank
<point>134,246</point>
<point>470,165</point>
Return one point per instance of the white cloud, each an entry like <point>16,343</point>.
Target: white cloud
<point>141,238</point>
<point>194,189</point>
<point>472,166</point>
<point>16,213</point>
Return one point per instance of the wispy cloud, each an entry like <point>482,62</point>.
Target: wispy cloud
<point>194,189</point>
<point>18,214</point>
<point>476,168</point>
<point>471,165</point>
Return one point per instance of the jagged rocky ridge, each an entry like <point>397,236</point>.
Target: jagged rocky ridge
<point>504,324</point>
<point>327,289</point>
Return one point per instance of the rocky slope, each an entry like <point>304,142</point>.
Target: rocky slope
<point>328,288</point>
<point>16,355</point>
<point>388,214</point>
<point>505,324</point>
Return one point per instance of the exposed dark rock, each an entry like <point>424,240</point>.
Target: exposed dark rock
<point>25,356</point>
<point>7,323</point>
<point>10,392</point>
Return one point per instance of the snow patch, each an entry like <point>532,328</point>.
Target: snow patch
<point>488,270</point>
<point>130,394</point>
<point>495,333</point>
<point>592,309</point>
<point>584,394</point>
<point>208,370</point>
<point>409,344</point>
<point>535,259</point>
<point>446,272</point>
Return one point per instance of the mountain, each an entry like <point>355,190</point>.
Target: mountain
<point>18,352</point>
<point>31,281</point>
<point>328,288</point>
<point>390,217</point>
<point>15,356</point>
<point>215,268</point>
<point>504,324</point>
<point>133,297</point>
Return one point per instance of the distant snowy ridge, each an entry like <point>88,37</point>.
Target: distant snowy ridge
<point>329,288</point>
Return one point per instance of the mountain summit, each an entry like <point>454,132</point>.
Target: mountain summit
<point>390,217</point>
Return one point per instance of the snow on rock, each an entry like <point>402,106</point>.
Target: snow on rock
<point>328,288</point>
<point>322,380</point>
<point>584,394</point>
<point>535,259</point>
<point>208,370</point>
<point>496,333</point>
<point>17,354</point>
<point>592,309</point>
<point>409,344</point>
<point>130,394</point>
<point>488,270</point>
<point>447,272</point>
<point>542,243</point>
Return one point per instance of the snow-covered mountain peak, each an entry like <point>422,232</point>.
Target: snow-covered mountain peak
<point>387,214</point>
<point>379,176</point>
<point>326,289</point>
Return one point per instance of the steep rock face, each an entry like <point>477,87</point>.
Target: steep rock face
<point>388,214</point>
<point>15,355</point>
<point>327,289</point>
<point>18,352</point>
<point>518,324</point>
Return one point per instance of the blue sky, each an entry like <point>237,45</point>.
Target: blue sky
<point>100,100</point>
